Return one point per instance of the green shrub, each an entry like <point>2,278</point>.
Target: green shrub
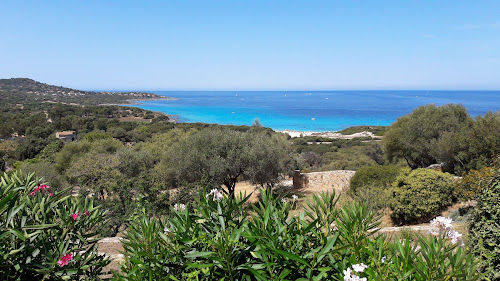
<point>375,175</point>
<point>46,235</point>
<point>93,136</point>
<point>473,183</point>
<point>372,184</point>
<point>484,232</point>
<point>420,195</point>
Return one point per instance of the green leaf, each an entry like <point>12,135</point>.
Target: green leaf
<point>40,226</point>
<point>196,254</point>
<point>255,273</point>
<point>18,234</point>
<point>200,265</point>
<point>13,213</point>
<point>292,257</point>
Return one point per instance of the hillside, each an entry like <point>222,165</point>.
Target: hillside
<point>24,90</point>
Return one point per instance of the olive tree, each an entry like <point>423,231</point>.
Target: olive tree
<point>428,135</point>
<point>270,159</point>
<point>216,156</point>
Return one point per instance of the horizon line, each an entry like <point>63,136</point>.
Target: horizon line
<point>279,90</point>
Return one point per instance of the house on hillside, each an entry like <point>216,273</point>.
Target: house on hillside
<point>66,135</point>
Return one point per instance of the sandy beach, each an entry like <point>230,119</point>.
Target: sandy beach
<point>329,135</point>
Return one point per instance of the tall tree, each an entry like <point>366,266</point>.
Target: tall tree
<point>426,135</point>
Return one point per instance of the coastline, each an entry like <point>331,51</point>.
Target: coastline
<point>329,135</point>
<point>138,101</point>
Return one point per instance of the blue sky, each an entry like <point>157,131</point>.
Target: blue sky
<point>253,45</point>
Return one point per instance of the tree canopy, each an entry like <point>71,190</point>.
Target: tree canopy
<point>427,136</point>
<point>223,156</point>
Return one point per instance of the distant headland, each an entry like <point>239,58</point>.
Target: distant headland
<point>28,89</point>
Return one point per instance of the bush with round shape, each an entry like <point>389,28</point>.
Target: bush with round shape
<point>419,195</point>
<point>47,235</point>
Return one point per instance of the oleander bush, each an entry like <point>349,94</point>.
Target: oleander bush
<point>484,232</point>
<point>45,234</point>
<point>215,239</point>
<point>419,195</point>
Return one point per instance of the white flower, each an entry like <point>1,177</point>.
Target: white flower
<point>166,230</point>
<point>454,236</point>
<point>295,197</point>
<point>442,223</point>
<point>347,274</point>
<point>217,195</point>
<point>349,277</point>
<point>359,267</point>
<point>180,207</point>
<point>444,226</point>
<point>283,200</point>
<point>433,232</point>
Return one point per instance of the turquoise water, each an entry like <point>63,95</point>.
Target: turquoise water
<point>312,110</point>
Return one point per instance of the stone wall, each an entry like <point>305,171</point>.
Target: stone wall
<point>338,179</point>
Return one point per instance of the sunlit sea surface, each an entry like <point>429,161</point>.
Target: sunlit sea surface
<point>311,110</point>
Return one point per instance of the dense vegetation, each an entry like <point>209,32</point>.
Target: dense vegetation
<point>213,239</point>
<point>47,234</point>
<point>322,154</point>
<point>221,156</point>
<point>485,228</point>
<point>373,184</point>
<point>445,134</point>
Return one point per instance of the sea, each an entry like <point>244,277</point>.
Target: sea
<point>316,111</point>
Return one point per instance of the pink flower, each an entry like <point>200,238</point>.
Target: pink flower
<point>75,215</point>
<point>41,187</point>
<point>65,259</point>
<point>50,194</point>
<point>87,213</point>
